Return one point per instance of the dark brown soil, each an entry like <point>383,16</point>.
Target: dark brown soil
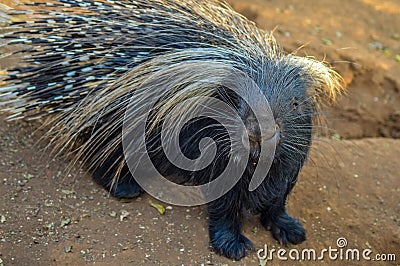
<point>350,187</point>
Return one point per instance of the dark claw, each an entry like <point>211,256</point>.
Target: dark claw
<point>233,246</point>
<point>287,229</point>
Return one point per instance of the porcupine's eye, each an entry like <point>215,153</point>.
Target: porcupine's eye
<point>295,102</point>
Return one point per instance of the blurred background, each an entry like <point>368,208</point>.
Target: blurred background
<point>360,39</point>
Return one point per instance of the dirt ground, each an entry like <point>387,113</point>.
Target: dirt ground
<point>350,187</point>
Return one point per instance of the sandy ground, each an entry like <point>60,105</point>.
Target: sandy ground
<point>349,188</point>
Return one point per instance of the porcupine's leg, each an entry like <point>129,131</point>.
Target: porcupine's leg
<point>225,218</point>
<point>125,186</point>
<point>274,216</point>
<point>284,228</point>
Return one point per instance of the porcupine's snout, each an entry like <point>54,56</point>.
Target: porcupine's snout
<point>256,138</point>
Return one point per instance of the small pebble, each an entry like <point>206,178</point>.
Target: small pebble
<point>68,249</point>
<point>327,41</point>
<point>124,214</point>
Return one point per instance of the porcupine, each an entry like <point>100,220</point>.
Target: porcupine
<point>79,56</point>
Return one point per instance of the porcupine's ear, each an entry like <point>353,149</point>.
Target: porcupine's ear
<point>325,85</point>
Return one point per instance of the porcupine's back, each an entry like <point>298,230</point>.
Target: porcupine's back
<point>83,58</point>
<point>79,47</point>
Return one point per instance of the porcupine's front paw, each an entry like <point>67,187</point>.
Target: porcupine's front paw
<point>285,229</point>
<point>230,245</point>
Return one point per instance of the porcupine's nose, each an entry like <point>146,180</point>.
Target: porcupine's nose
<point>272,132</point>
<point>253,139</point>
